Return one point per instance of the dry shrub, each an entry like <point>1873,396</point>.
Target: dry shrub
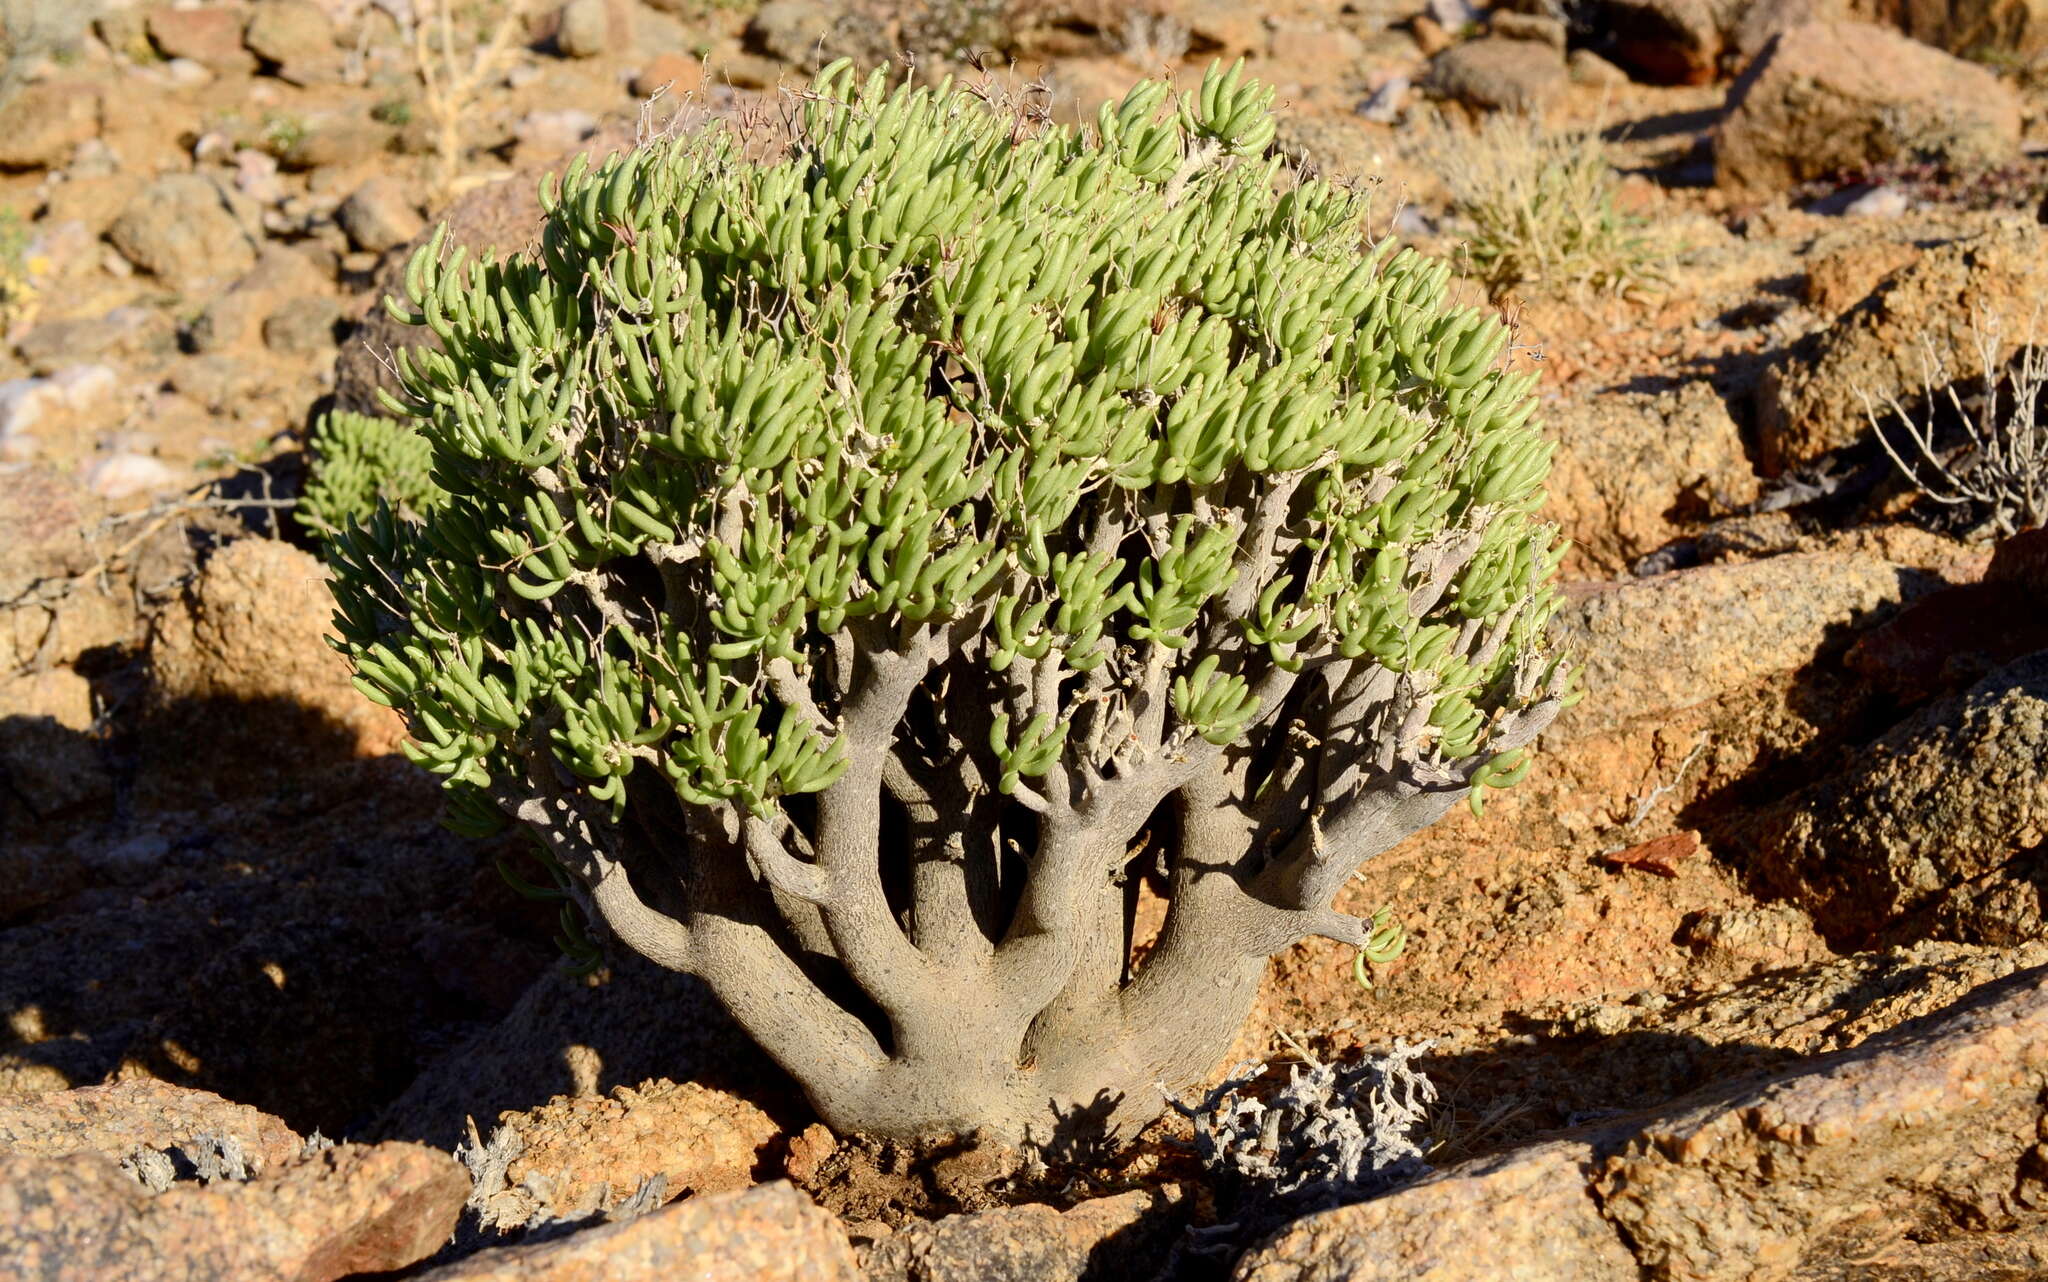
<point>1540,208</point>
<point>1982,452</point>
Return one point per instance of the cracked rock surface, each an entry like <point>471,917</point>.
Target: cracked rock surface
<point>1920,1152</point>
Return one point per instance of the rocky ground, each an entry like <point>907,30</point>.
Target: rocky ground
<point>1749,980</point>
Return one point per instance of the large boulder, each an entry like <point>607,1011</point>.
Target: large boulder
<point>1966,28</point>
<point>117,1119</point>
<point>1658,646</point>
<point>1696,41</point>
<point>1498,73</point>
<point>1633,469</point>
<point>1670,42</point>
<point>1827,97</point>
<point>1919,1147</point>
<point>331,1214</point>
<point>1812,402</point>
<point>1953,637</point>
<point>770,1233</point>
<point>1952,794</point>
<point>297,38</point>
<point>210,36</point>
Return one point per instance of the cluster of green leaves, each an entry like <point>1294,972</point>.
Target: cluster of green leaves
<point>355,462</point>
<point>940,364</point>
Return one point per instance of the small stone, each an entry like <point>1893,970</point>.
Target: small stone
<point>212,380</point>
<point>546,134</point>
<point>1499,74</point>
<point>119,476</point>
<point>1411,222</point>
<point>1878,202</point>
<point>124,333</point>
<point>125,33</point>
<point>180,228</point>
<point>1313,52</point>
<point>668,73</point>
<point>23,403</point>
<point>188,73</point>
<point>791,30</point>
<point>1453,15</point>
<point>93,160</point>
<point>808,1152</point>
<point>1589,68</point>
<point>378,215</point>
<point>256,176</point>
<point>84,387</point>
<point>745,70</point>
<point>290,33</point>
<point>1539,27</point>
<point>47,122</point>
<point>1430,36</point>
<point>337,142</point>
<point>304,326</point>
<point>1385,105</point>
<point>210,37</point>
<point>593,28</point>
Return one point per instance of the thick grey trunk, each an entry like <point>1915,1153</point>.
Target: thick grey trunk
<point>925,991</point>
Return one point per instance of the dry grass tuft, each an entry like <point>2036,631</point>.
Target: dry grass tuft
<point>1540,208</point>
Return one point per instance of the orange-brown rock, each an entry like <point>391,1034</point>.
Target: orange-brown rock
<point>1840,96</point>
<point>1844,277</point>
<point>1812,401</point>
<point>242,661</point>
<point>116,1119</point>
<point>1921,1148</point>
<point>1656,646</point>
<point>345,1211</point>
<point>1125,1235</point>
<point>1632,469</point>
<point>1952,794</point>
<point>577,1155</point>
<point>770,1233</point>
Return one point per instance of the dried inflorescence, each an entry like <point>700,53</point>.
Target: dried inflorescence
<point>1331,1133</point>
<point>851,558</point>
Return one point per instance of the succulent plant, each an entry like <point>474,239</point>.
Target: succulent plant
<point>862,568</point>
<point>355,462</point>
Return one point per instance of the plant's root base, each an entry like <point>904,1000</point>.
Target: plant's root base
<point>893,1183</point>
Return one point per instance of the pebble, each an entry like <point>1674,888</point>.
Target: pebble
<point>1878,202</point>
<point>1385,104</point>
<point>121,476</point>
<point>187,74</point>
